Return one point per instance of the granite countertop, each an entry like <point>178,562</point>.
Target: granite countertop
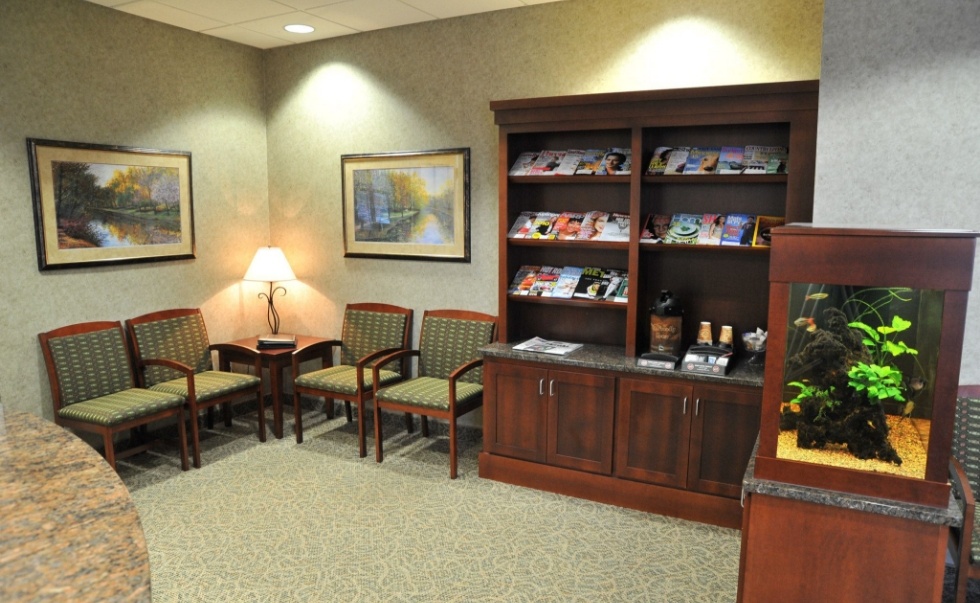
<point>69,530</point>
<point>612,358</point>
<point>951,515</point>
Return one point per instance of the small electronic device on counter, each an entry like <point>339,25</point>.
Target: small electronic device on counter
<point>666,317</point>
<point>707,359</point>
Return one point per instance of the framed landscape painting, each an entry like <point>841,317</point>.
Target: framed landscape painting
<point>413,205</point>
<point>97,205</point>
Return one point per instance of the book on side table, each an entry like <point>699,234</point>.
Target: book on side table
<point>276,341</point>
<point>537,344</point>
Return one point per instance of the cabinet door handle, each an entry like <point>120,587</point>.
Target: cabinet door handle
<point>684,409</point>
<point>551,387</point>
<point>697,406</point>
<point>540,387</point>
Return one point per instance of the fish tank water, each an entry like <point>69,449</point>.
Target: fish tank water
<point>865,336</point>
<point>858,376</point>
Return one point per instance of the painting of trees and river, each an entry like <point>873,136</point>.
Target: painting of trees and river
<point>109,205</point>
<point>405,205</point>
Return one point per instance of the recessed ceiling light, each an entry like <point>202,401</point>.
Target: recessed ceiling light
<point>297,28</point>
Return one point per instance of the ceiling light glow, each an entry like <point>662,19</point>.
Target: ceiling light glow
<point>298,28</point>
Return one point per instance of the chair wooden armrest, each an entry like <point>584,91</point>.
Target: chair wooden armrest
<point>363,361</point>
<point>321,349</point>
<point>961,541</point>
<point>376,369</point>
<point>172,364</point>
<point>456,374</point>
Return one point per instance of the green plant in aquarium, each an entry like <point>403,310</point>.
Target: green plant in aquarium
<point>880,380</point>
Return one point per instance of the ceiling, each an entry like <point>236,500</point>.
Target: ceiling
<point>260,23</point>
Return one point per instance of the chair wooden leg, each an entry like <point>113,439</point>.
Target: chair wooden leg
<point>110,450</point>
<point>226,412</point>
<point>261,401</point>
<point>425,426</point>
<point>210,417</point>
<point>182,438</point>
<point>361,438</point>
<point>196,436</point>
<point>347,411</point>
<point>452,448</point>
<point>379,454</point>
<point>330,404</point>
<point>298,416</point>
<point>409,424</point>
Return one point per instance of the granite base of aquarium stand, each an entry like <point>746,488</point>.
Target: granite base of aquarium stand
<point>811,545</point>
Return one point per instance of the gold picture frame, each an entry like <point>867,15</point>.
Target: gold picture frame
<point>409,206</point>
<point>100,205</point>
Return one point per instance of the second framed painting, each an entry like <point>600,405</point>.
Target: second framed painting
<point>411,205</point>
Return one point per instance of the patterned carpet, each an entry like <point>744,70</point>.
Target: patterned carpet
<point>281,522</point>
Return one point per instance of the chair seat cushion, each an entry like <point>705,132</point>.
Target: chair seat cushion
<point>209,384</point>
<point>121,406</point>
<point>343,379</point>
<point>429,392</point>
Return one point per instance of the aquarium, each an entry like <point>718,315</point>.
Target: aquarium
<point>862,364</point>
<point>858,376</point>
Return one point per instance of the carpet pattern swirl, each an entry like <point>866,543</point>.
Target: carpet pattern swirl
<point>281,522</point>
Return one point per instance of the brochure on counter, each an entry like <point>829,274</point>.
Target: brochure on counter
<point>536,344</point>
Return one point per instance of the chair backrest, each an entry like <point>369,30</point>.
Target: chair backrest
<point>174,335</point>
<point>371,327</point>
<point>86,361</point>
<point>450,338</point>
<point>966,433</point>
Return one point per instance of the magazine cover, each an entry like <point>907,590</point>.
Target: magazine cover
<point>655,229</point>
<point>676,161</point>
<point>739,229</point>
<point>702,160</point>
<point>543,223</point>
<point>593,225</point>
<point>588,283</point>
<point>684,229</point>
<point>763,224</point>
<point>712,225</point>
<point>617,228</point>
<point>617,162</point>
<point>756,158</point>
<point>778,162</point>
<point>568,225</point>
<point>567,282</point>
<point>523,164</point>
<point>545,283</point>
<point>523,280</point>
<point>546,163</point>
<point>622,294</point>
<point>569,162</point>
<point>522,226</point>
<point>611,280</point>
<point>730,160</point>
<point>590,162</point>
<point>658,162</point>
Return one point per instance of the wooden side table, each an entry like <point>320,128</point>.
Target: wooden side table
<point>275,359</point>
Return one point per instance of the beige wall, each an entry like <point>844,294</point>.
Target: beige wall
<point>271,168</point>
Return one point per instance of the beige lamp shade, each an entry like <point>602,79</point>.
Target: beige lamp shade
<point>269,265</point>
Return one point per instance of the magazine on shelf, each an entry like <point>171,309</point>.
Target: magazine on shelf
<point>676,161</point>
<point>567,282</point>
<point>617,228</point>
<point>655,229</point>
<point>544,221</point>
<point>569,162</point>
<point>623,292</point>
<point>756,157</point>
<point>546,163</point>
<point>593,225</point>
<point>763,226</point>
<point>523,280</point>
<point>617,162</point>
<point>590,162</point>
<point>568,225</point>
<point>612,279</point>
<point>523,163</point>
<point>712,225</point>
<point>778,162</point>
<point>545,283</point>
<point>522,225</point>
<point>684,229</point>
<point>739,229</point>
<point>702,160</point>
<point>589,283</point>
<point>730,160</point>
<point>658,162</point>
<point>536,344</point>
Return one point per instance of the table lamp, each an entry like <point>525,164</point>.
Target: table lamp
<point>270,265</point>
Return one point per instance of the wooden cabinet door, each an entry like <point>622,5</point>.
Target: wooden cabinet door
<point>653,431</point>
<point>724,429</point>
<point>580,421</point>
<point>515,411</point>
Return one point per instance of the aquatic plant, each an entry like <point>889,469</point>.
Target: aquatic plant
<point>880,380</point>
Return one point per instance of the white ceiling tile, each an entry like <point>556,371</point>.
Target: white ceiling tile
<point>367,15</point>
<point>273,26</point>
<point>445,9</point>
<point>169,15</point>
<point>230,11</point>
<point>307,4</point>
<point>235,33</point>
<point>109,2</point>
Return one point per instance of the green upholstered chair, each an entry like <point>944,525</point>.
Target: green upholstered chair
<point>369,332</point>
<point>93,390</point>
<point>173,355</point>
<point>449,374</point>
<point>965,479</point>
